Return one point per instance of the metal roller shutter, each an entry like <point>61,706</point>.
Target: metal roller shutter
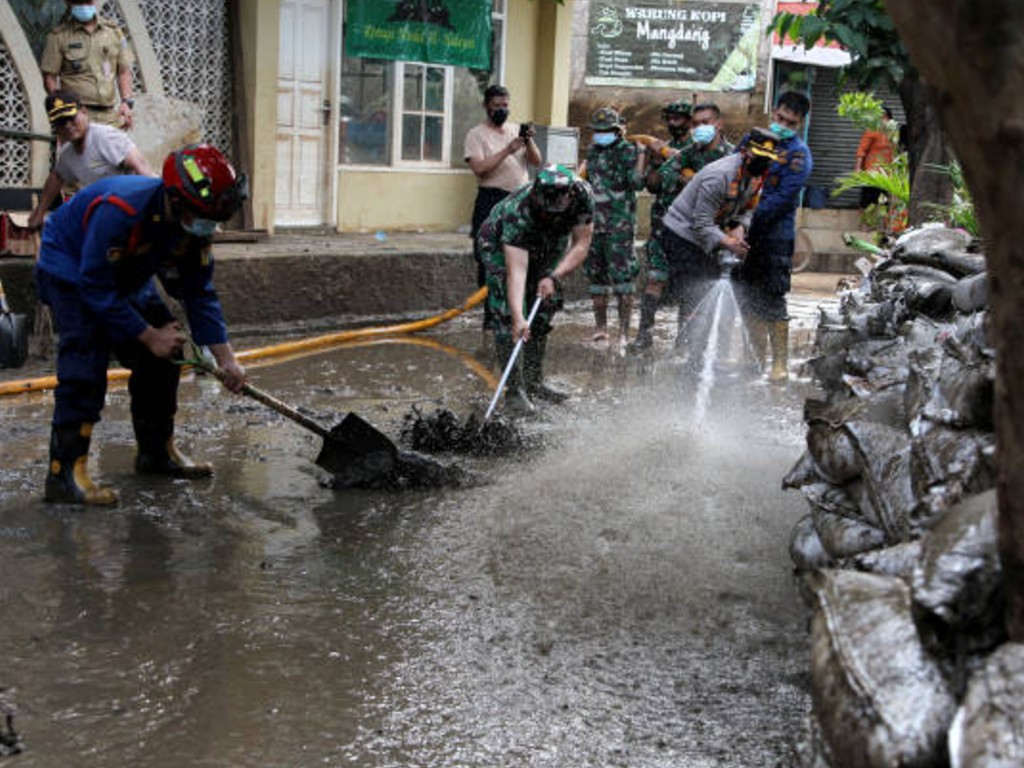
<point>833,140</point>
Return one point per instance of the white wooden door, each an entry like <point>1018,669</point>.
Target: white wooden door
<point>302,159</point>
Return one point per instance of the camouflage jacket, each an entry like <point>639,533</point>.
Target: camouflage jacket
<point>513,221</point>
<point>611,173</point>
<point>677,170</point>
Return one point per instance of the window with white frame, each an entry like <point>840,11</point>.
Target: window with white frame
<point>411,114</point>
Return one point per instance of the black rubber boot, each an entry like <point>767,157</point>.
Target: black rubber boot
<point>648,309</point>
<point>68,481</point>
<point>533,372</point>
<point>158,455</point>
<point>517,403</point>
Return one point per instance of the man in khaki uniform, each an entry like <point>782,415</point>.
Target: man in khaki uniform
<point>90,57</point>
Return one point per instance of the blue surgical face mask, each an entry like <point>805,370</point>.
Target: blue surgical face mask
<point>83,13</point>
<point>200,227</point>
<point>605,139</point>
<point>782,131</point>
<point>704,134</point>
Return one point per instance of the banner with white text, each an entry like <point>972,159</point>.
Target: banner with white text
<point>678,44</point>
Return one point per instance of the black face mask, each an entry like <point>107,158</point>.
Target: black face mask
<point>756,166</point>
<point>678,131</point>
<point>498,116</point>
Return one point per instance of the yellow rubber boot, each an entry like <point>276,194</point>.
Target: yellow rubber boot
<point>68,480</point>
<point>158,454</point>
<point>779,333</point>
<point>757,337</point>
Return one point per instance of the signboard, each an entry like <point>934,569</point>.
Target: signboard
<point>456,32</point>
<point>675,44</point>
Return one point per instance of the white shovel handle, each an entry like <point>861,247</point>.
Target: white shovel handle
<point>511,362</point>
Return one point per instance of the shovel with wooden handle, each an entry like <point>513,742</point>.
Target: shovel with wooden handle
<point>354,451</point>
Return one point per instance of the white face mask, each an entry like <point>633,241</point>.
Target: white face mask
<point>200,227</point>
<point>83,13</point>
<point>605,139</point>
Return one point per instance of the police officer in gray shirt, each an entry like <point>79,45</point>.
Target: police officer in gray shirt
<point>710,215</point>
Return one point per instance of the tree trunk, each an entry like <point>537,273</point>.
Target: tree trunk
<point>926,147</point>
<point>969,54</point>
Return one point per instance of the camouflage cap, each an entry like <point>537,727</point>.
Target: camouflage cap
<point>680,107</point>
<point>554,177</point>
<point>605,119</point>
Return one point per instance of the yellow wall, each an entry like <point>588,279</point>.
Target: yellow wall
<point>371,200</point>
<point>259,21</point>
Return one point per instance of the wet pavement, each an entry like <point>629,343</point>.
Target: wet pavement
<point>621,595</point>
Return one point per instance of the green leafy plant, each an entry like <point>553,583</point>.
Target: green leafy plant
<point>960,212</point>
<point>894,181</point>
<point>862,109</point>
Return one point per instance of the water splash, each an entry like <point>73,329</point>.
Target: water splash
<point>717,333</point>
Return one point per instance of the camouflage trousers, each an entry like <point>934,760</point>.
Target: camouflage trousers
<point>612,265</point>
<point>657,259</point>
<point>498,304</point>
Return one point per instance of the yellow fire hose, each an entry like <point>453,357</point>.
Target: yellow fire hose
<point>290,349</point>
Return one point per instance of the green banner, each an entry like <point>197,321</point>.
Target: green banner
<point>456,32</point>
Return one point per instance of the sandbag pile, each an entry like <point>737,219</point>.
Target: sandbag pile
<point>910,664</point>
<point>904,429</point>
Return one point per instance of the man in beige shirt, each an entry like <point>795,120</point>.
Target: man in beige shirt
<point>90,57</point>
<point>498,153</point>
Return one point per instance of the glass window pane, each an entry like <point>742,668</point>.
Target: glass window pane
<point>499,6</point>
<point>412,126</point>
<point>412,97</point>
<point>434,101</point>
<point>366,88</point>
<point>433,137</point>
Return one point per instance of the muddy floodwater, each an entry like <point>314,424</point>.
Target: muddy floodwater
<point>619,595</point>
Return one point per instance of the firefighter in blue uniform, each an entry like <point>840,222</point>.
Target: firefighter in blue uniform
<point>764,277</point>
<point>99,256</point>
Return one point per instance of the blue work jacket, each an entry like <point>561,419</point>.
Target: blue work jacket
<point>112,238</point>
<point>775,216</point>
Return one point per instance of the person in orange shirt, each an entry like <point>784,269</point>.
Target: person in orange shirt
<point>875,149</point>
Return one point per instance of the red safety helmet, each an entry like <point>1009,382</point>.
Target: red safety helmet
<point>199,177</point>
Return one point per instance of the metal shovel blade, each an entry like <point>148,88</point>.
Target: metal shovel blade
<point>13,340</point>
<point>357,453</point>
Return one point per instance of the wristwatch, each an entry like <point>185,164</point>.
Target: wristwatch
<point>129,102</point>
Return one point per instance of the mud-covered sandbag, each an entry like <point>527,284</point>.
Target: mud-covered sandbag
<point>842,536</point>
<point>952,391</point>
<point>804,472</point>
<point>931,239</point>
<point>970,294</point>
<point>899,560</point>
<point>805,547</point>
<point>988,730</point>
<point>959,577</point>
<point>886,469</point>
<point>952,464</point>
<point>828,443</point>
<point>882,355</point>
<point>931,298</point>
<point>880,699</point>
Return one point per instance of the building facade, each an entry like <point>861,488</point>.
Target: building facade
<point>329,139</point>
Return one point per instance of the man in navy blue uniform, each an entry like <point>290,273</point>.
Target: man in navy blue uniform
<point>764,276</point>
<point>99,256</point>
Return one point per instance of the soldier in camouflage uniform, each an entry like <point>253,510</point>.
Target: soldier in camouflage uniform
<point>529,243</point>
<point>91,58</point>
<point>615,169</point>
<point>666,182</point>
